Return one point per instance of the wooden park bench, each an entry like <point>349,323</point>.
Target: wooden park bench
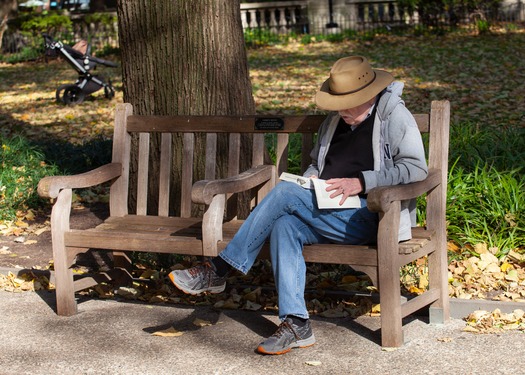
<point>207,235</point>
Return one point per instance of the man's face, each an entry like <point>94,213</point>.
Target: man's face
<point>356,115</point>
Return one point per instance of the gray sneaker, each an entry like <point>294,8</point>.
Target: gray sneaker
<point>287,337</point>
<point>197,280</point>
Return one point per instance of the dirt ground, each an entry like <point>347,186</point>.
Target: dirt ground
<point>36,250</point>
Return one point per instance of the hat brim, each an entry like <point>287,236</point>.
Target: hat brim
<point>327,100</point>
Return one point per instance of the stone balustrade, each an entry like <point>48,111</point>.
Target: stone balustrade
<point>278,17</point>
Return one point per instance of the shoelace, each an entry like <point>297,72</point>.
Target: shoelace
<point>194,271</point>
<point>285,325</point>
<point>204,268</point>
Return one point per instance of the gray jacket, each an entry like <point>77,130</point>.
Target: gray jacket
<point>399,156</point>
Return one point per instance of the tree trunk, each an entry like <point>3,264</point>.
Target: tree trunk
<point>185,57</point>
<point>6,7</point>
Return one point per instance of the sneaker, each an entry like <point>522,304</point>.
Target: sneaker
<point>287,337</point>
<point>199,279</point>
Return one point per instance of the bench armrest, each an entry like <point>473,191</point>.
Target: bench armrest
<point>50,186</point>
<point>204,191</point>
<point>380,198</point>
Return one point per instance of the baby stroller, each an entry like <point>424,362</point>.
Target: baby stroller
<point>83,63</point>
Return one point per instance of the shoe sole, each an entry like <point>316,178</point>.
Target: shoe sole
<point>212,290</point>
<point>294,345</point>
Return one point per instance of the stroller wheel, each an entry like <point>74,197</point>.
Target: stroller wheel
<point>109,92</point>
<point>73,95</point>
<point>60,91</point>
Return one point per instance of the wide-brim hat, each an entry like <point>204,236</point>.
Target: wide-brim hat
<point>352,82</point>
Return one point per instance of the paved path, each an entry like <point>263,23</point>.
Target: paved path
<point>114,337</point>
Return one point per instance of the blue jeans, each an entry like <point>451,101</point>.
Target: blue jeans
<point>288,216</point>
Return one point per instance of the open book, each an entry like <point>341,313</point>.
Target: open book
<point>322,196</point>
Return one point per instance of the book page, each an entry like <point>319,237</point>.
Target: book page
<point>324,200</point>
<point>305,182</point>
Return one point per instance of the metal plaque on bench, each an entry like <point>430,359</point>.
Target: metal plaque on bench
<point>269,123</point>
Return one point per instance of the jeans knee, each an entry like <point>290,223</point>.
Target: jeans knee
<point>285,226</point>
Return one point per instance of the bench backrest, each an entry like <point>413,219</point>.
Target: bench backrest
<point>190,130</point>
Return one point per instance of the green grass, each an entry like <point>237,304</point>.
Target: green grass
<point>22,168</point>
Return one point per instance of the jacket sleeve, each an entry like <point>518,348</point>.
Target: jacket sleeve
<point>403,153</point>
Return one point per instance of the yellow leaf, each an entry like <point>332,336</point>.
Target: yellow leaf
<point>201,323</point>
<point>506,266</point>
<point>30,242</point>
<point>38,232</point>
<point>170,332</point>
<point>423,281</point>
<point>415,290</point>
<point>451,246</point>
<point>21,224</point>
<point>389,349</point>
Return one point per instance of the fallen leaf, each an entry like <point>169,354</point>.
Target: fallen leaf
<point>170,332</point>
<point>470,329</point>
<point>20,239</point>
<point>201,323</point>
<point>313,363</point>
<point>249,305</point>
<point>38,232</point>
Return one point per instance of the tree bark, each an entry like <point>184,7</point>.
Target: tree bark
<point>6,8</point>
<point>185,57</point>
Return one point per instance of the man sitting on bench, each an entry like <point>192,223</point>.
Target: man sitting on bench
<point>369,139</point>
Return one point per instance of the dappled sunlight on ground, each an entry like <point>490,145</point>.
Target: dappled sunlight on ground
<point>285,79</point>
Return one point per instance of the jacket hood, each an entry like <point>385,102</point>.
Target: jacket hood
<point>390,98</point>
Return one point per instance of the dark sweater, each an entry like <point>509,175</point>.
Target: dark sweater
<point>350,150</point>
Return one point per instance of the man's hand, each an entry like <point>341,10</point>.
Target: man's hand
<point>345,187</point>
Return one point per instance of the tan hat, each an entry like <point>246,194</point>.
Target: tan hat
<point>352,82</point>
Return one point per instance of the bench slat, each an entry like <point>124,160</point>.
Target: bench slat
<point>259,150</point>
<point>281,153</point>
<point>142,176</point>
<point>138,242</point>
<point>221,124</point>
<point>234,154</point>
<point>165,174</point>
<point>187,174</point>
<point>211,156</point>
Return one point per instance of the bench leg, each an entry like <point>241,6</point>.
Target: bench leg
<point>438,260</point>
<point>390,302</point>
<point>65,292</point>
<point>439,311</point>
<point>389,283</point>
